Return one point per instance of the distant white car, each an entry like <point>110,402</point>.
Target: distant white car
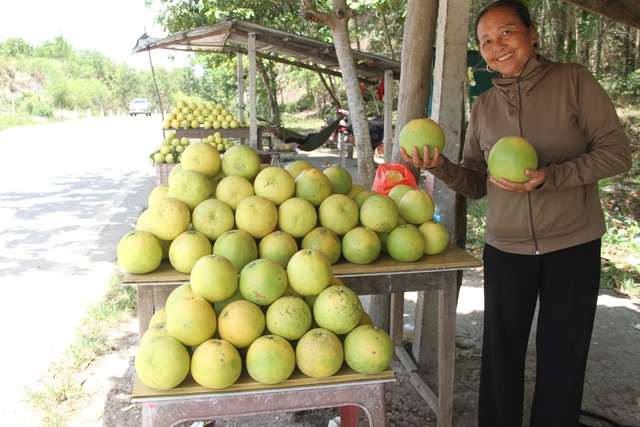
<point>140,106</point>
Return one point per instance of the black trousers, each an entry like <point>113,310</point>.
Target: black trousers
<point>566,282</point>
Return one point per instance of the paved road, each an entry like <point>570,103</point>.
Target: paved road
<point>68,192</point>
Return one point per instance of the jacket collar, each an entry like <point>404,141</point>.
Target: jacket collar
<point>533,72</point>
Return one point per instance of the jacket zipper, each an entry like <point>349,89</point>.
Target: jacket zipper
<point>529,203</point>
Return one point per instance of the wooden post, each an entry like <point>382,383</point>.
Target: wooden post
<point>388,111</point>
<point>240,74</point>
<point>253,112</point>
<point>448,110</point>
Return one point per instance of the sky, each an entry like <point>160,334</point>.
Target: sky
<point>111,28</point>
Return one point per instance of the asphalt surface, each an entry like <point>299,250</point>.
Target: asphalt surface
<point>69,192</point>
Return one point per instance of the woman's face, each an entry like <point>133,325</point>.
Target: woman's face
<point>505,44</point>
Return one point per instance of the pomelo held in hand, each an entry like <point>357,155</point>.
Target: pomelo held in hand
<point>421,132</point>
<point>510,157</point>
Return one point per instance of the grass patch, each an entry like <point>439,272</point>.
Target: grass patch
<point>303,125</point>
<point>60,394</point>
<point>8,121</point>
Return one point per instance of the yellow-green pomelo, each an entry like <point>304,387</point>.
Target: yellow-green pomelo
<point>383,241</point>
<point>167,217</point>
<point>278,246</point>
<point>274,183</point>
<point>361,245</point>
<point>421,132</point>
<point>510,157</point>
<point>139,252</point>
<point>141,222</point>
<point>324,240</point>
<point>337,309</point>
<point>270,359</point>
<point>233,189</point>
<point>191,187</point>
<point>177,168</point>
<point>368,350</point>
<point>187,249</point>
<point>340,178</point>
<point>319,353</point>
<point>257,216</point>
<point>288,317</point>
<point>398,191</point>
<point>406,243</point>
<point>191,321</point>
<point>158,191</point>
<point>338,213</point>
<point>365,319</point>
<point>212,217</point>
<point>214,278</point>
<point>166,245</point>
<point>297,216</point>
<point>309,272</point>
<point>219,306</point>
<point>215,180</point>
<point>364,195</point>
<point>262,281</point>
<point>313,185</point>
<point>155,330</point>
<point>241,160</point>
<point>160,316</point>
<point>297,166</point>
<point>237,246</point>
<point>178,293</point>
<point>202,157</point>
<point>355,190</point>
<point>379,213</point>
<point>416,207</point>
<point>216,364</point>
<point>436,237</point>
<point>162,363</point>
<point>240,323</point>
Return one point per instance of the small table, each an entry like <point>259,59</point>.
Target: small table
<point>384,276</point>
<point>347,390</point>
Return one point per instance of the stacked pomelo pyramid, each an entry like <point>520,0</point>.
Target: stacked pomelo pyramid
<point>207,115</point>
<point>258,242</point>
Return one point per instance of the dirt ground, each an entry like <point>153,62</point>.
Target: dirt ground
<point>612,379</point>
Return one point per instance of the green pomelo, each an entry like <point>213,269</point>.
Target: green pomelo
<point>270,359</point>
<point>319,353</point>
<point>339,213</point>
<point>191,187</point>
<point>337,309</point>
<point>288,317</point>
<point>436,237</point>
<point>214,278</point>
<point>421,132</point>
<point>216,364</point>
<point>510,157</point>
<point>416,207</point>
<point>278,246</point>
<point>324,240</point>
<point>237,246</point>
<point>162,362</point>
<point>405,243</point>
<point>139,252</point>
<point>361,245</point>
<point>379,213</point>
<point>368,350</point>
<point>262,281</point>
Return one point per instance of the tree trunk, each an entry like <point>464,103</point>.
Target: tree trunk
<point>338,21</point>
<point>272,99</point>
<point>416,63</point>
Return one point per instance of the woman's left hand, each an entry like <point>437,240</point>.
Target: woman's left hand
<point>538,177</point>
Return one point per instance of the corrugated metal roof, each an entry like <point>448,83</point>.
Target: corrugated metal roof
<point>231,35</point>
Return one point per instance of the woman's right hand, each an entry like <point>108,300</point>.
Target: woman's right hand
<point>426,162</point>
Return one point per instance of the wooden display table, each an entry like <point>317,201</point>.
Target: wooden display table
<point>190,402</point>
<point>384,276</point>
<point>241,133</point>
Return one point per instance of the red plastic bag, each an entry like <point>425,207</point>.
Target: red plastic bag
<point>391,174</point>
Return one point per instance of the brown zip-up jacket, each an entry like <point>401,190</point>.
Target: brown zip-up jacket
<point>562,110</point>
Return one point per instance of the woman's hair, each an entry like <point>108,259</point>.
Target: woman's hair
<point>518,8</point>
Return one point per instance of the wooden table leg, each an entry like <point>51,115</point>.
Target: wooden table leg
<point>146,307</point>
<point>446,353</point>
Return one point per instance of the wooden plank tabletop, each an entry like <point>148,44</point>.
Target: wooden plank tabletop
<point>453,258</point>
<point>189,388</point>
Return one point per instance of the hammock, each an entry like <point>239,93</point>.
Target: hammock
<point>311,141</point>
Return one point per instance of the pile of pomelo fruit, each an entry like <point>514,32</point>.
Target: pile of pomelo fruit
<point>207,115</point>
<point>259,242</point>
<point>171,148</point>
